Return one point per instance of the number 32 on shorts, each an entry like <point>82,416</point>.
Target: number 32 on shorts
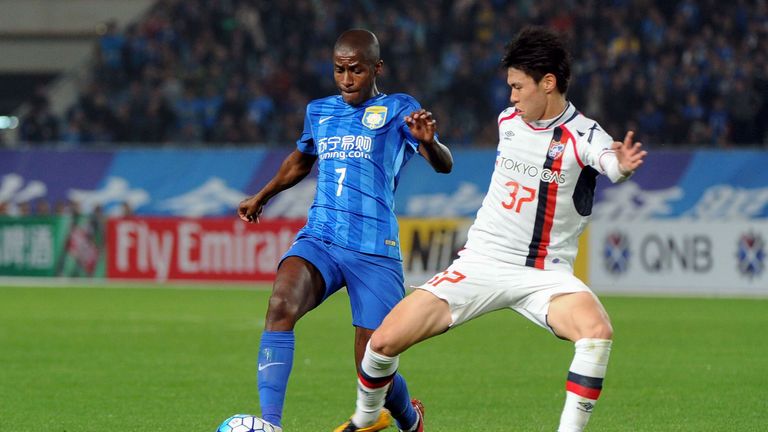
<point>451,276</point>
<point>514,188</point>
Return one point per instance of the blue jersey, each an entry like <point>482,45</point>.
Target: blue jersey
<point>360,150</point>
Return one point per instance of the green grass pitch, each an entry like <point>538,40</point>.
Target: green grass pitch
<point>161,359</point>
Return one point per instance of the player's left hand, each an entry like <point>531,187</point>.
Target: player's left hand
<point>422,125</point>
<point>629,154</point>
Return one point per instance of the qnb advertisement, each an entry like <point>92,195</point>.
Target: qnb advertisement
<point>680,256</point>
<point>687,222</point>
<point>163,249</point>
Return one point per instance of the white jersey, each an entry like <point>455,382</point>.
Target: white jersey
<point>542,189</point>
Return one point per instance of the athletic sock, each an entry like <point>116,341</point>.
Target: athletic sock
<point>585,382</point>
<point>275,363</point>
<point>376,373</point>
<point>398,402</point>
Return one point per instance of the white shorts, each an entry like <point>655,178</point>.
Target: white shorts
<point>477,284</point>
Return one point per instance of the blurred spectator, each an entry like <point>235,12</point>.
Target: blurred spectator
<point>260,106</point>
<point>209,109</point>
<point>718,122</point>
<point>159,120</point>
<point>24,208</point>
<point>97,220</point>
<point>75,132</point>
<point>232,107</point>
<point>125,210</point>
<point>745,103</point>
<point>110,55</point>
<point>240,70</point>
<point>39,125</point>
<point>650,123</point>
<point>42,207</point>
<point>62,208</point>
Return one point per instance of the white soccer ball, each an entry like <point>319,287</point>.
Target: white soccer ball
<point>245,423</point>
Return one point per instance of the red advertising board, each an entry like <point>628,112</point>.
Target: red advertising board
<point>197,249</point>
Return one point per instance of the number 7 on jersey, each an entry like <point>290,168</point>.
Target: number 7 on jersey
<point>343,173</point>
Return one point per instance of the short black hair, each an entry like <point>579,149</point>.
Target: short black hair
<point>360,40</point>
<point>538,51</point>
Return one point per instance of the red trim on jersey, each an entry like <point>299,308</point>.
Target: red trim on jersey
<point>511,116</point>
<point>575,150</point>
<point>549,209</point>
<point>567,136</point>
<point>538,129</point>
<point>582,391</point>
<point>549,217</point>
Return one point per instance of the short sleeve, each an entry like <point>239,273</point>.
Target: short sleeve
<point>306,143</point>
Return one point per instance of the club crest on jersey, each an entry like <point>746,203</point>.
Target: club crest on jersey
<point>555,150</point>
<point>375,117</point>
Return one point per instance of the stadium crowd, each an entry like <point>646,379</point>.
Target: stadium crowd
<point>241,71</point>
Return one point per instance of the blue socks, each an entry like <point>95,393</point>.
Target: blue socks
<point>398,402</point>
<point>274,368</point>
<point>275,363</point>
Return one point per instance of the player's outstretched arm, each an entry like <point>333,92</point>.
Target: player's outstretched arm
<point>293,169</point>
<point>629,154</point>
<point>423,128</point>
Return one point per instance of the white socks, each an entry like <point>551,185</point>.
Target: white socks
<point>377,371</point>
<point>585,381</point>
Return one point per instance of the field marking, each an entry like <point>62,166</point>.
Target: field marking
<point>62,282</point>
<point>59,282</point>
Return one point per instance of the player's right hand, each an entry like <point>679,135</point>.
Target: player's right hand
<point>629,153</point>
<point>250,209</point>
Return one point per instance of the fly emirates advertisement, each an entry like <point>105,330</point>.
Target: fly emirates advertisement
<point>197,249</point>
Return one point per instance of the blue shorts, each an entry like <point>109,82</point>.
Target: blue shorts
<point>374,283</point>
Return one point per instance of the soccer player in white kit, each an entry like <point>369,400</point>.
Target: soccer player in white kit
<point>520,250</point>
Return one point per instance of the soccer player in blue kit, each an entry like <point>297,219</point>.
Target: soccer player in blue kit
<point>361,140</point>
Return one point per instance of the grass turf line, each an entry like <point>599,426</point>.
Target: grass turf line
<point>85,359</point>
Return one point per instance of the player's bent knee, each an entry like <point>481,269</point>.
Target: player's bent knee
<point>599,330</point>
<point>385,341</point>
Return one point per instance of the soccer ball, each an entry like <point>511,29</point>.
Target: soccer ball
<point>245,423</point>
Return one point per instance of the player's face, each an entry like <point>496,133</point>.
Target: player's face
<point>355,76</point>
<point>528,97</point>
